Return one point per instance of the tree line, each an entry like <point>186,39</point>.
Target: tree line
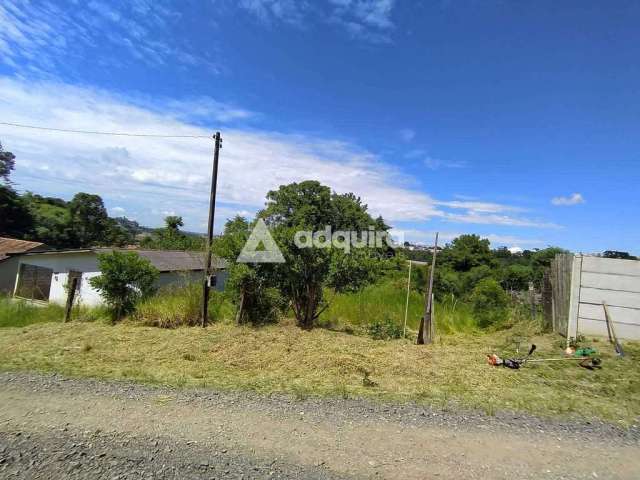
<point>80,222</point>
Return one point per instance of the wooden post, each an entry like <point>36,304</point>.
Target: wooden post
<point>206,286</point>
<point>406,308</point>
<point>71,295</point>
<point>433,316</point>
<point>425,335</point>
<point>532,300</point>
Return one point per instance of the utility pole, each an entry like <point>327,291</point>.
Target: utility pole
<point>208,278</point>
<point>425,335</point>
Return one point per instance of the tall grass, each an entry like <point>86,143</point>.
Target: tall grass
<point>174,307</point>
<point>385,302</point>
<point>20,313</point>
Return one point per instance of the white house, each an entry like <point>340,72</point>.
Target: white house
<point>44,276</point>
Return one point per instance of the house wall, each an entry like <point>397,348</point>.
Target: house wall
<point>87,263</point>
<point>614,281</point>
<point>180,279</point>
<point>8,272</point>
<point>86,295</point>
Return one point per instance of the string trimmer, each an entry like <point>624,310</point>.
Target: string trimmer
<point>588,362</point>
<point>514,363</point>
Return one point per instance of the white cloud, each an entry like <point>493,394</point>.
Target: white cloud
<point>407,134</point>
<point>368,20</point>
<point>436,163</point>
<point>476,217</point>
<point>267,11</point>
<point>480,207</point>
<point>426,237</point>
<point>574,199</point>
<point>40,37</point>
<point>148,176</point>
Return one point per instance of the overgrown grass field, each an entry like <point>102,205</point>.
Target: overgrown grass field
<point>282,358</point>
<point>20,313</point>
<point>450,373</point>
<point>387,300</point>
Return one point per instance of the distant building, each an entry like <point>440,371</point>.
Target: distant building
<point>44,276</point>
<point>10,250</point>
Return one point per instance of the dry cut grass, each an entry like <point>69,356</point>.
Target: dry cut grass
<point>282,358</point>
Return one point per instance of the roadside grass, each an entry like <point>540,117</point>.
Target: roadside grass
<point>450,373</point>
<point>17,313</point>
<point>20,313</point>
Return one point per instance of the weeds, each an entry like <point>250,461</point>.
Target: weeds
<point>20,313</point>
<point>176,307</point>
<point>385,329</point>
<point>379,309</point>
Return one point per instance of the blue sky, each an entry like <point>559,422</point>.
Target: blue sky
<point>519,121</point>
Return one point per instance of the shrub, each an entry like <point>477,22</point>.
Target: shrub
<point>489,302</point>
<point>385,329</point>
<point>256,302</point>
<point>125,279</point>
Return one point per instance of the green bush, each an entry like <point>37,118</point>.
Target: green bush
<point>125,279</point>
<point>384,329</point>
<point>256,302</point>
<point>489,302</point>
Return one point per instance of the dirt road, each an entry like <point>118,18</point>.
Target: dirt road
<point>52,427</point>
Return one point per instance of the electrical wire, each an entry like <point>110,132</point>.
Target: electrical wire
<point>93,132</point>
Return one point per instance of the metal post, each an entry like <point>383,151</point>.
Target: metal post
<point>212,209</point>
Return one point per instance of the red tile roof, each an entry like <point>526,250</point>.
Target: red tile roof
<point>12,246</point>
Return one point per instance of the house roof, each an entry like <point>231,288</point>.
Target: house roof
<point>176,260</point>
<point>12,246</point>
<point>163,260</point>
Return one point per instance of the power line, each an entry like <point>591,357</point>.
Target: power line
<point>93,132</point>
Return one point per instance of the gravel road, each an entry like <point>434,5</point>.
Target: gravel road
<point>55,427</point>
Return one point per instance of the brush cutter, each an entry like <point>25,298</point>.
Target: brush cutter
<point>514,363</point>
<point>585,361</point>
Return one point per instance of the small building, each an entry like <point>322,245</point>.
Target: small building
<point>10,250</point>
<point>44,276</point>
<point>581,286</point>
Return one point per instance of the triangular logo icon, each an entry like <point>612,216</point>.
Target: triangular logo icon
<point>260,235</point>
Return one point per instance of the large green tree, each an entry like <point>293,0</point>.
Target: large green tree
<point>172,238</point>
<point>308,271</point>
<point>15,217</point>
<point>468,251</point>
<point>7,164</point>
<point>89,218</point>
